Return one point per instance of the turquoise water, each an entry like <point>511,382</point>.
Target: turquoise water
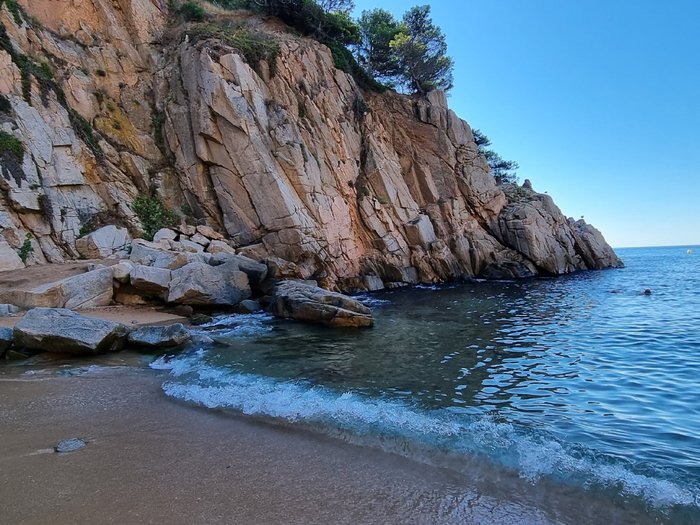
<point>581,381</point>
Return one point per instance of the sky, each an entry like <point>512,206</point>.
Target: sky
<point>597,100</point>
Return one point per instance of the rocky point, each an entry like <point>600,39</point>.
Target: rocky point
<point>285,160</point>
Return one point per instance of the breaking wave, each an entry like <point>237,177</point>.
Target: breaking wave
<point>418,433</point>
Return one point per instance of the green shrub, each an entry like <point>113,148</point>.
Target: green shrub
<point>360,108</point>
<point>234,4</point>
<point>84,130</point>
<point>14,9</point>
<point>26,249</point>
<point>345,61</point>
<point>253,46</point>
<point>90,223</point>
<point>515,193</point>
<point>157,121</point>
<point>5,106</point>
<point>85,228</point>
<point>192,11</point>
<point>12,145</point>
<point>153,215</point>
<point>301,109</point>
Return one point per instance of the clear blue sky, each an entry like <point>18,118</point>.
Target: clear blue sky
<point>597,100</point>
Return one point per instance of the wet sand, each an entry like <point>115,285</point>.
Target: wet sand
<point>152,460</point>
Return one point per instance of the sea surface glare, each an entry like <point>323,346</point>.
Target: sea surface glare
<point>579,382</point>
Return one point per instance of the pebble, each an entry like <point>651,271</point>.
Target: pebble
<point>69,445</point>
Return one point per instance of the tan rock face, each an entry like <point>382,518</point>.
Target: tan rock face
<point>86,290</point>
<point>300,167</point>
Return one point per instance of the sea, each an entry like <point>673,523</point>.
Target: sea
<point>578,384</point>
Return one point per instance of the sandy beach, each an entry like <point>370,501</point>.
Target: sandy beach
<point>149,459</point>
<point>128,315</point>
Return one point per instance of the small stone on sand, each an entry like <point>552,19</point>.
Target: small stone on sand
<point>69,445</point>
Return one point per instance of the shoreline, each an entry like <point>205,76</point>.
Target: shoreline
<point>150,459</point>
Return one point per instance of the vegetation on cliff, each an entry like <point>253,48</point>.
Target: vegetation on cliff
<point>153,215</point>
<point>410,55</point>
<point>504,171</point>
<point>379,51</point>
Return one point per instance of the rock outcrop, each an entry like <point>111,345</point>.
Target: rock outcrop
<point>304,302</point>
<point>200,283</point>
<point>292,163</point>
<point>107,241</point>
<point>6,338</point>
<point>86,290</point>
<point>62,331</point>
<point>170,336</point>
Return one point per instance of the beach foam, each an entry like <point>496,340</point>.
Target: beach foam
<point>414,432</point>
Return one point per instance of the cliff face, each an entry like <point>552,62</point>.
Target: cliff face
<point>289,160</point>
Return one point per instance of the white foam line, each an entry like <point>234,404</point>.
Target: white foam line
<point>534,456</point>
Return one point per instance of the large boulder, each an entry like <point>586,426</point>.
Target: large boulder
<point>538,230</point>
<point>200,283</point>
<point>59,330</point>
<point>419,231</point>
<point>86,290</point>
<point>122,271</point>
<point>7,310</point>
<point>150,281</point>
<point>160,256</point>
<point>105,242</point>
<point>6,337</point>
<point>209,232</point>
<point>304,302</point>
<point>216,246</point>
<point>255,271</point>
<point>164,234</point>
<point>9,260</point>
<point>160,336</point>
<point>591,245</point>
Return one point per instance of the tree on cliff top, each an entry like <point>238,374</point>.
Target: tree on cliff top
<point>421,51</point>
<point>378,28</point>
<point>411,54</point>
<point>504,171</point>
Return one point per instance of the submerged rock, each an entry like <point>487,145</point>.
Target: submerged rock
<point>200,319</point>
<point>296,300</point>
<point>248,307</point>
<point>62,331</point>
<point>160,336</point>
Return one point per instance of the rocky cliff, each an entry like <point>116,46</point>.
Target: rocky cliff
<point>241,125</point>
